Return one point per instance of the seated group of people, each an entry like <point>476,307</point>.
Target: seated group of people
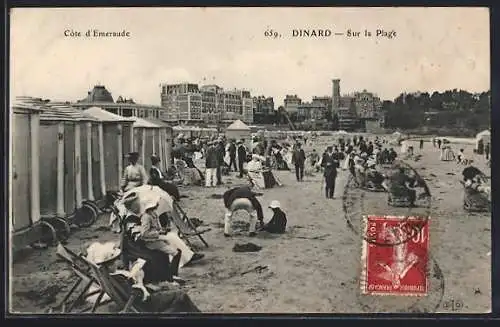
<point>403,184</point>
<point>146,210</point>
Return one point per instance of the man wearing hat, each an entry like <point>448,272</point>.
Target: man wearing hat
<point>220,151</point>
<point>134,174</point>
<point>232,155</point>
<point>277,224</point>
<point>330,163</point>
<point>211,163</point>
<point>157,178</point>
<point>298,159</point>
<point>242,156</point>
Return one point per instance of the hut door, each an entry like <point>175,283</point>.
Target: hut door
<point>21,172</point>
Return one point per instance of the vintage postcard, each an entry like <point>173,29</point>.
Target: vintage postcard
<point>250,160</point>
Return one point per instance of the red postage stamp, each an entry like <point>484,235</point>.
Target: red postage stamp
<point>395,256</point>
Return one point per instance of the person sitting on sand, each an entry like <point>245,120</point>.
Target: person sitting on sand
<point>242,198</point>
<point>402,186</point>
<point>277,224</point>
<point>373,177</point>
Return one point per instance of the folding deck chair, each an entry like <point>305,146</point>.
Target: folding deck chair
<point>186,227</point>
<point>127,298</point>
<point>82,270</point>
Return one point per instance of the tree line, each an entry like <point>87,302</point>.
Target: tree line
<point>451,110</point>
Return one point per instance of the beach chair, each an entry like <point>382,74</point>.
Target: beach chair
<point>185,227</point>
<point>475,201</point>
<point>82,270</point>
<point>128,299</point>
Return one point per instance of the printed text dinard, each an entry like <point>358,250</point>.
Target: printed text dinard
<point>330,33</point>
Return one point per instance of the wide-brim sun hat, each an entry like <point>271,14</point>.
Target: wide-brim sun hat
<point>274,204</point>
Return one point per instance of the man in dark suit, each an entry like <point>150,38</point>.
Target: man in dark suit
<point>242,157</point>
<point>232,156</point>
<point>156,178</point>
<point>330,164</point>
<point>298,159</point>
<point>220,151</point>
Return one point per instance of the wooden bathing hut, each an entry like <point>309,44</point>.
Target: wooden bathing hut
<point>146,144</point>
<point>114,140</point>
<point>162,143</point>
<point>25,222</point>
<point>60,159</point>
<point>239,130</point>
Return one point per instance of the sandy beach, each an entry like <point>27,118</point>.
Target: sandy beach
<point>314,267</point>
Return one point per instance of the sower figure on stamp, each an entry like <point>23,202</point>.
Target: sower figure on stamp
<point>330,164</point>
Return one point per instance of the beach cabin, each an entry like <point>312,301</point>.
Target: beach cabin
<point>162,142</point>
<point>25,173</point>
<point>113,138</point>
<point>484,137</point>
<point>145,141</point>
<point>239,130</point>
<point>60,142</point>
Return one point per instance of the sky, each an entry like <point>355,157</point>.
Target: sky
<point>434,49</point>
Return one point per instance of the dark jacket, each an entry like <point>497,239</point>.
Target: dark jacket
<point>330,164</point>
<point>171,189</point>
<point>298,157</point>
<point>242,153</point>
<point>277,224</point>
<point>232,150</point>
<point>220,150</point>
<point>243,192</point>
<point>212,159</point>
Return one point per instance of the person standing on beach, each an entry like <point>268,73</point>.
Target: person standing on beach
<point>421,144</point>
<point>439,143</point>
<point>220,150</point>
<point>232,156</point>
<point>242,156</point>
<point>211,163</point>
<point>330,164</point>
<point>298,159</point>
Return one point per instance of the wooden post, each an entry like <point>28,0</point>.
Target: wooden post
<point>153,130</point>
<point>101,161</point>
<point>35,167</point>
<point>60,170</point>
<point>90,189</point>
<point>160,149</point>
<point>132,139</point>
<point>78,166</point>
<point>120,153</point>
<point>143,154</point>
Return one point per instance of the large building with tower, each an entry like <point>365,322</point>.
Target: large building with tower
<point>356,110</point>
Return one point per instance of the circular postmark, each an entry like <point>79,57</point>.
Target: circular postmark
<point>429,302</point>
<point>361,203</point>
